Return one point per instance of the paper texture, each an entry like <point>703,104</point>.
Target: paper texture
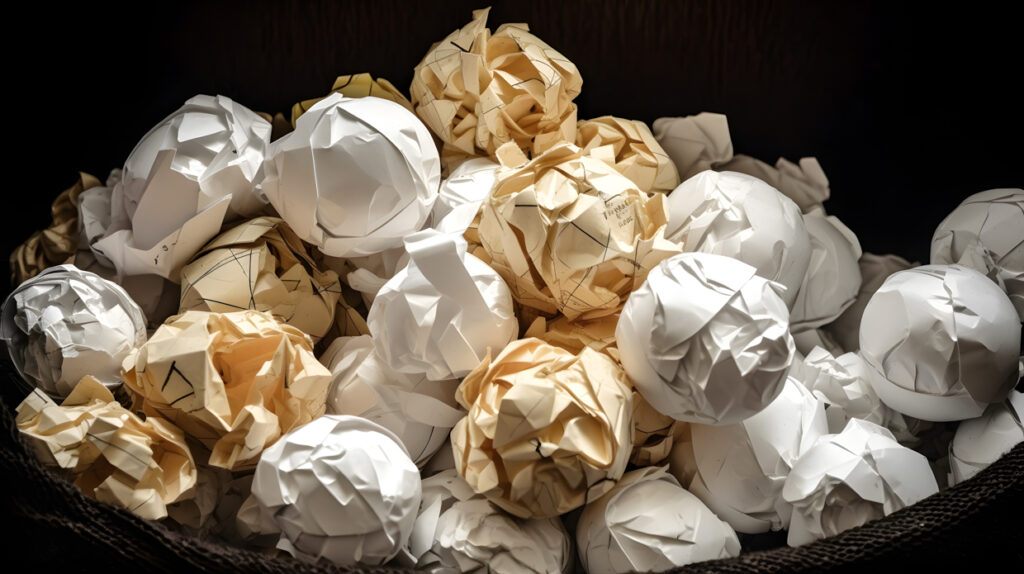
<point>356,86</point>
<point>806,341</point>
<point>742,468</point>
<point>980,442</point>
<point>419,411</point>
<point>443,312</point>
<point>648,523</point>
<point>190,172</point>
<point>234,381</point>
<point>874,269</point>
<point>262,265</point>
<point>740,216</point>
<point>716,356</point>
<point>477,91</point>
<point>986,233</point>
<point>804,182</point>
<point>112,455</point>
<point>458,530</point>
<point>573,336</point>
<point>64,324</point>
<point>945,340</point>
<point>630,148</point>
<point>833,276</point>
<point>355,177</point>
<point>695,143</point>
<point>58,242</point>
<point>546,430</point>
<point>570,234</point>
<point>457,209</point>
<point>654,434</point>
<point>848,479</point>
<point>340,489</point>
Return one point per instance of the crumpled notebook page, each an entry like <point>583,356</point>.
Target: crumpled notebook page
<point>629,147</point>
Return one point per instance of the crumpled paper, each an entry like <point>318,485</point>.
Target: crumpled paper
<point>235,381</point>
<point>980,442</point>
<point>141,465</point>
<point>478,90</point>
<point>443,312</point>
<point>573,336</point>
<point>570,234</point>
<point>356,86</point>
<point>740,216</point>
<point>630,148</point>
<point>986,233</point>
<point>420,412</point>
<point>705,340</point>
<point>654,434</point>
<point>58,242</point>
<point>874,270</point>
<point>807,340</point>
<point>648,523</point>
<point>457,209</point>
<point>547,430</point>
<point>65,324</point>
<point>193,170</point>
<point>457,530</point>
<point>340,489</point>
<point>833,276</point>
<point>804,182</point>
<point>355,177</point>
<point>695,143</point>
<point>742,468</point>
<point>945,340</point>
<point>262,265</point>
<point>848,479</point>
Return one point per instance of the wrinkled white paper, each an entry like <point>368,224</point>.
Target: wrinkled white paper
<point>805,183</point>
<point>65,323</point>
<point>740,216</point>
<point>355,177</point>
<point>695,143</point>
<point>340,489</point>
<point>462,194</point>
<point>874,270</point>
<point>705,340</point>
<point>945,340</point>
<point>833,276</point>
<point>980,442</point>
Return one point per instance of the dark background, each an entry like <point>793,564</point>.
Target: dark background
<point>909,108</point>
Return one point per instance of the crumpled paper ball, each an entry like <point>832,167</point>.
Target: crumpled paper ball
<point>740,216</point>
<point>235,381</point>
<point>742,468</point>
<point>478,90</point>
<point>717,354</point>
<point>547,430</point>
<point>197,167</point>
<point>573,336</point>
<point>804,182</point>
<point>340,489</point>
<point>630,148</point>
<point>986,233</point>
<point>848,479</point>
<point>262,265</point>
<point>457,530</point>
<point>356,86</point>
<point>420,412</point>
<point>141,465</point>
<point>980,442</point>
<point>654,434</point>
<point>457,209</point>
<point>570,234</point>
<point>648,523</point>
<point>695,143</point>
<point>833,276</point>
<point>443,312</point>
<point>945,340</point>
<point>874,270</point>
<point>355,177</point>
<point>64,324</point>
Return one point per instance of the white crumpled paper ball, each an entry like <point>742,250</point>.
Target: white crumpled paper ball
<point>340,489</point>
<point>874,270</point>
<point>945,340</point>
<point>65,323</point>
<point>694,143</point>
<point>986,233</point>
<point>833,274</point>
<point>740,216</point>
<point>648,523</point>
<point>462,194</point>
<point>980,442</point>
<point>355,177</point>
<point>742,468</point>
<point>848,479</point>
<point>705,339</point>
<point>440,314</point>
<point>419,411</point>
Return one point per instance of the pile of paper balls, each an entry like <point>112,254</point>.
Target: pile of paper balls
<point>471,330</point>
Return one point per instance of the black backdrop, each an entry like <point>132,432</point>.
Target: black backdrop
<point>908,108</point>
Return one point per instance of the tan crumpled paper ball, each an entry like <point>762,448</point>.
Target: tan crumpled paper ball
<point>547,430</point>
<point>629,147</point>
<point>570,234</point>
<point>235,381</point>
